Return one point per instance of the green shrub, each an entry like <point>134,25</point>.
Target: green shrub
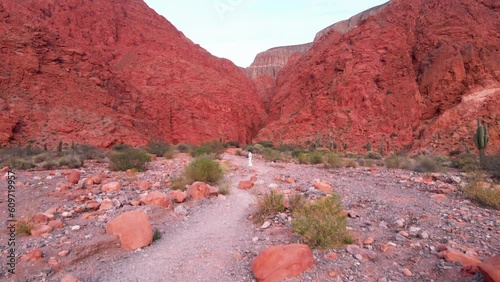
<point>158,148</point>
<point>213,149</point>
<point>284,148</point>
<point>232,144</point>
<point>316,158</point>
<point>170,154</point>
<point>43,157</point>
<point>70,161</point>
<point>267,205</point>
<point>321,223</point>
<point>156,235</point>
<point>183,148</point>
<point>425,163</point>
<point>128,158</point>
<point>180,182</point>
<point>204,169</point>
<point>373,155</point>
<point>295,201</point>
<point>304,158</point>
<point>258,148</point>
<point>272,155</point>
<point>225,188</point>
<point>266,144</point>
<point>48,165</point>
<point>333,161</point>
<point>21,163</point>
<point>488,196</point>
<point>89,152</point>
<point>366,163</point>
<point>296,153</point>
<point>492,163</point>
<point>398,161</point>
<point>23,227</point>
<point>351,163</point>
<point>121,147</point>
<point>466,162</point>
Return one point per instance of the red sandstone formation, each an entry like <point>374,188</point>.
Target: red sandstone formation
<point>110,71</point>
<point>415,75</point>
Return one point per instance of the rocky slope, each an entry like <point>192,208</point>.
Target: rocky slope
<point>105,72</point>
<point>416,75</point>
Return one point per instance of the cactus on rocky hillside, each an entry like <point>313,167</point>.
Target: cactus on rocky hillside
<point>481,139</point>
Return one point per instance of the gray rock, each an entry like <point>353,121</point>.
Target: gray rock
<point>181,210</point>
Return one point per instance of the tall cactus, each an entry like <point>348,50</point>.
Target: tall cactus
<point>481,139</point>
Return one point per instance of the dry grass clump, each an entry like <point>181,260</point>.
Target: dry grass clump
<point>321,223</point>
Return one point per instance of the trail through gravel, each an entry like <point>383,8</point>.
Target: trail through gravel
<point>201,248</point>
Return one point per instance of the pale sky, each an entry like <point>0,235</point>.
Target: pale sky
<point>239,29</point>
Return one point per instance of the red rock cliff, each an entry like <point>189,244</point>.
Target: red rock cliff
<point>270,62</point>
<point>415,75</point>
<point>110,71</point>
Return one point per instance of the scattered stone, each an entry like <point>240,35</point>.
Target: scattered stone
<point>32,255</point>
<point>5,169</point>
<point>283,261</point>
<point>156,198</point>
<point>133,228</point>
<point>177,196</point>
<point>199,190</point>
<point>332,255</point>
<point>266,225</point>
<point>400,223</point>
<point>63,253</point>
<point>245,184</point>
<point>53,261</point>
<point>490,269</point>
<point>73,177</point>
<point>42,218</point>
<point>368,241</point>
<point>181,210</point>
<point>451,255</point>
<point>438,197</point>
<point>96,179</point>
<point>56,223</point>
<point>424,235</point>
<point>75,228</point>
<point>407,272</point>
<point>69,278</point>
<point>40,229</point>
<point>144,185</point>
<point>366,254</point>
<point>106,204</point>
<point>111,187</point>
<point>323,186</point>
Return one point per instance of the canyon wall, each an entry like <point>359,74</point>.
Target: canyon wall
<point>415,75</point>
<point>109,71</point>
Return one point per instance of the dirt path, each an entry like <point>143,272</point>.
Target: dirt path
<point>201,248</point>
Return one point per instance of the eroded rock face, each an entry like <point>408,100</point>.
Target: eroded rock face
<point>416,74</point>
<point>114,71</point>
<point>270,62</point>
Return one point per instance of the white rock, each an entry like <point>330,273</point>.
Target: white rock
<point>75,228</point>
<point>181,210</point>
<point>266,225</point>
